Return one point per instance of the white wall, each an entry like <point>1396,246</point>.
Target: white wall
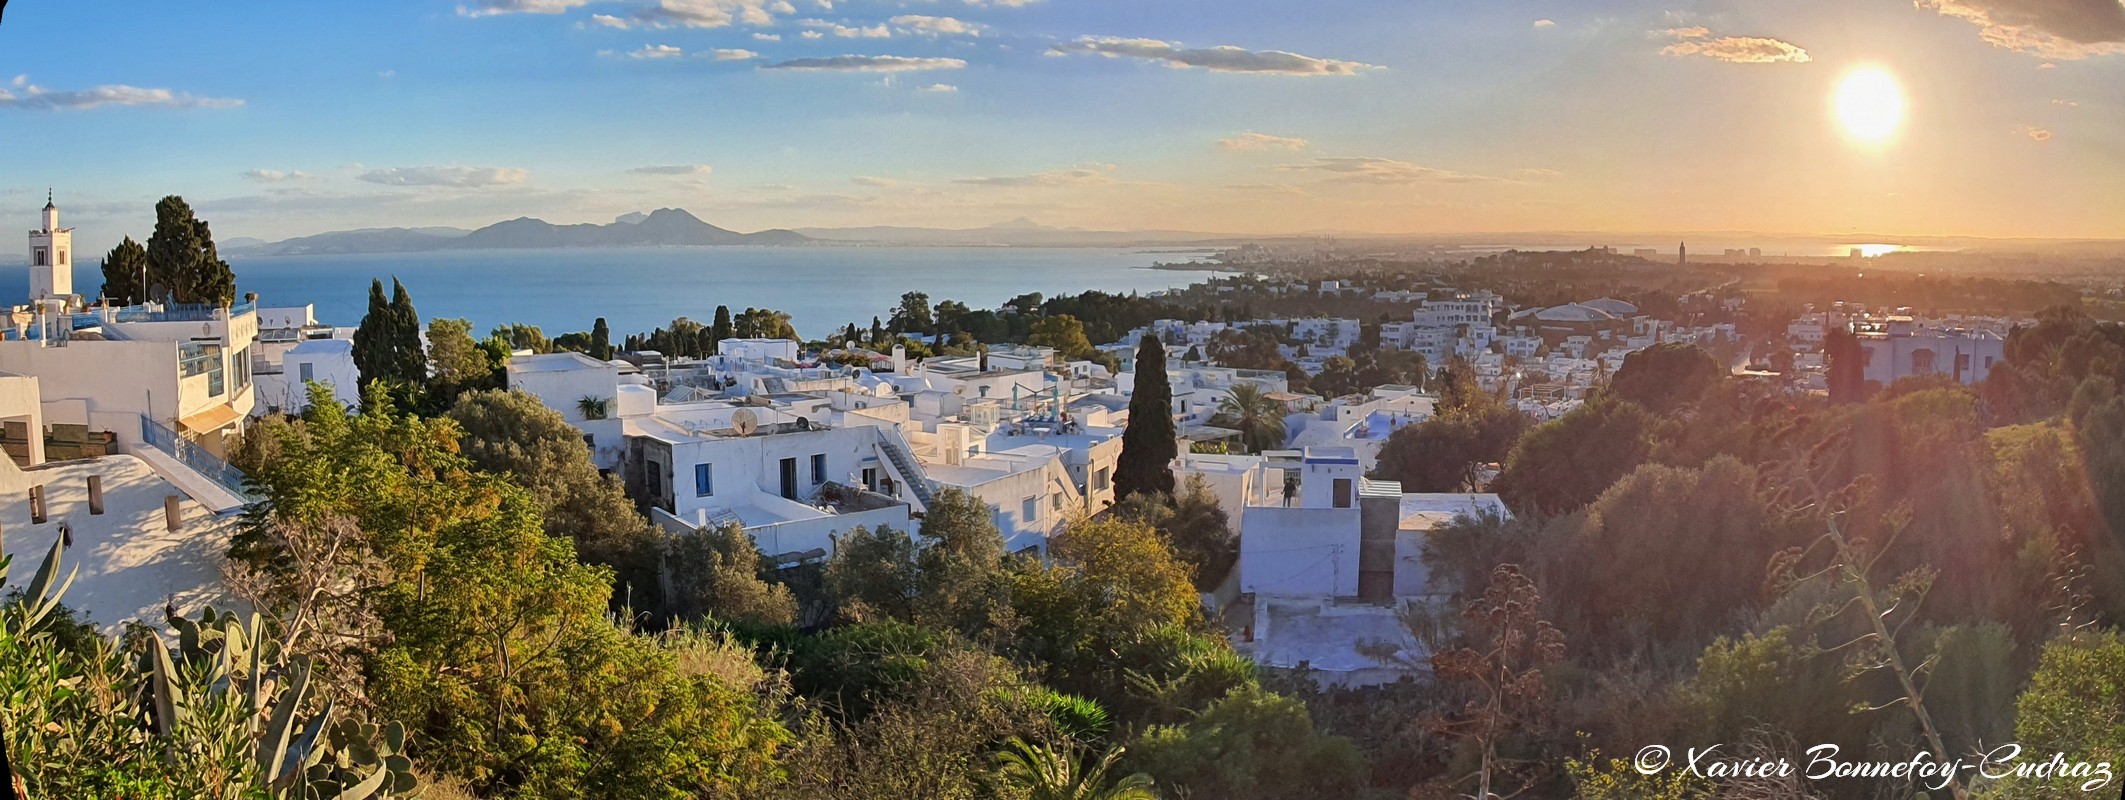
<point>1299,551</point>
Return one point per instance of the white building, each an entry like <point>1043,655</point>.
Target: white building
<point>1898,347</point>
<point>1329,574</point>
<point>51,258</point>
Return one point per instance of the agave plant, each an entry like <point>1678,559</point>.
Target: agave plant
<point>223,714</point>
<point>1042,772</point>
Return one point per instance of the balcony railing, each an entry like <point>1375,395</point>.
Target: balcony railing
<point>207,464</point>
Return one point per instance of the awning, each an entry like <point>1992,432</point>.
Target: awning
<point>215,418</point>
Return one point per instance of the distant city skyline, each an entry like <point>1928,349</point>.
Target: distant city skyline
<point>1992,118</point>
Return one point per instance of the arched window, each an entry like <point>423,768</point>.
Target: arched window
<point>1922,361</point>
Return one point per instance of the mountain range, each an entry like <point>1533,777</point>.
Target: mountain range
<point>664,227</point>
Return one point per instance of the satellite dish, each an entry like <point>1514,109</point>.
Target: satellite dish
<point>804,423</point>
<point>745,421</point>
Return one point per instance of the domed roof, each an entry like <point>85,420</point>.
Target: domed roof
<point>1613,306</point>
<point>1573,312</point>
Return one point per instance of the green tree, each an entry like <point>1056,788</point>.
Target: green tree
<point>1565,463</point>
<point>513,434</point>
<point>1193,524</point>
<point>1149,443</point>
<point>2075,704</point>
<point>1251,745</point>
<point>490,637</point>
<point>1249,410</point>
<point>410,360</point>
<point>716,573</point>
<point>1847,367</point>
<point>1447,452</point>
<point>519,336</point>
<point>872,575</point>
<point>123,269</point>
<point>722,328</point>
<point>380,341</point>
<point>460,365</point>
<point>1665,376</point>
<point>182,258</point>
<point>1065,334</point>
<point>600,340</point>
<point>913,314</point>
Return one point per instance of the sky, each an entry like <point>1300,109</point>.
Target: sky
<point>279,119</point>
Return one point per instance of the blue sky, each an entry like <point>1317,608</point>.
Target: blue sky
<point>280,119</point>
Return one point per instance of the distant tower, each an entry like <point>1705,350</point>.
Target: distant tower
<point>51,257</point>
<point>1682,253</point>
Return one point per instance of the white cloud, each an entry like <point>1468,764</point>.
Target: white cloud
<point>937,26</point>
<point>768,37</point>
<point>2062,29</point>
<point>697,14</point>
<point>36,98</point>
<point>488,8</point>
<point>1251,141</point>
<point>458,177</point>
<point>1224,58</point>
<point>1363,169</point>
<point>673,169</point>
<point>732,54</point>
<point>938,87</point>
<point>276,175</point>
<point>811,34</point>
<point>656,51</point>
<point>856,63</point>
<point>2037,134</point>
<point>1545,23</point>
<point>1698,41</point>
<point>879,31</point>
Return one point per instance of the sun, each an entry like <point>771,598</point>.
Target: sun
<point>1870,105</point>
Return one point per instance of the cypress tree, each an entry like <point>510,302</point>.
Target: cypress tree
<point>409,362</point>
<point>123,268</point>
<point>721,330</point>
<point>1149,443</point>
<point>372,340</point>
<point>600,340</point>
<point>182,258</point>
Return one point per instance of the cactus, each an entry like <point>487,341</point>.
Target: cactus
<point>224,711</point>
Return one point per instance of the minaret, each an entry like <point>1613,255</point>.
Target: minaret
<point>51,257</point>
<point>1682,253</point>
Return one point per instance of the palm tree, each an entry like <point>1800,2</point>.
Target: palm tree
<point>593,407</point>
<point>1249,410</point>
<point>1041,772</point>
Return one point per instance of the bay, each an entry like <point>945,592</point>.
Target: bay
<point>637,289</point>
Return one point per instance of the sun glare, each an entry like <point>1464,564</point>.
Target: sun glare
<point>1870,105</point>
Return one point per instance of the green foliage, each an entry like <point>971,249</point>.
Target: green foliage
<point>1040,772</point>
<point>182,260</point>
<point>519,336</point>
<point>387,344</point>
<point>1063,333</point>
<point>488,637</point>
<point>1150,442</point>
<point>123,268</point>
<point>716,572</point>
<point>1666,376</point>
<point>1251,745</point>
<point>1194,525</point>
<point>513,434</point>
<point>1249,410</point>
<point>2075,703</point>
<point>1444,453</point>
<point>459,364</point>
<point>600,340</point>
<point>1565,463</point>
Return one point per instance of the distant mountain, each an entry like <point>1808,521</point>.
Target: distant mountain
<point>366,240</point>
<point>664,227</point>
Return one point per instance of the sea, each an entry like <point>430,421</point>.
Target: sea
<point>638,289</point>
